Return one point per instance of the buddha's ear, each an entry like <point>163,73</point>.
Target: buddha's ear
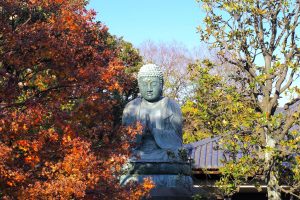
<point>139,82</point>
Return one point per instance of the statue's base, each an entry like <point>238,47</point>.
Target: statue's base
<point>172,180</point>
<point>169,187</point>
<point>167,193</point>
<point>161,180</point>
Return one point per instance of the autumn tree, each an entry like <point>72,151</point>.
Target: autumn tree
<point>261,38</point>
<point>132,62</point>
<point>60,134</point>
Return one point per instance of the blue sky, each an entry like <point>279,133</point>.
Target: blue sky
<point>157,20</point>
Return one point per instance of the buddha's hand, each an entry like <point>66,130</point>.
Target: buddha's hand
<point>148,127</point>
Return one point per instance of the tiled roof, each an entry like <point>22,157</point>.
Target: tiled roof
<point>205,153</point>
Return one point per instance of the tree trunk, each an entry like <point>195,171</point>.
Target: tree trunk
<point>273,188</point>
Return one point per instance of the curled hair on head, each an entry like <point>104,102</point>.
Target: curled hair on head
<point>151,70</point>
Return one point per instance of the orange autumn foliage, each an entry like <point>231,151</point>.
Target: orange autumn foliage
<point>60,132</point>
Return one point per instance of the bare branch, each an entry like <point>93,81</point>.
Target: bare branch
<point>289,82</point>
<point>287,21</point>
<point>291,103</point>
<point>289,192</point>
<point>278,84</point>
<point>274,27</point>
<point>290,121</point>
<point>258,27</point>
<point>23,24</point>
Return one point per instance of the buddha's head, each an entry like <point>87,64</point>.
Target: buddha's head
<point>150,80</point>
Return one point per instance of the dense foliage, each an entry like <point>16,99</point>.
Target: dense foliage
<point>62,83</point>
<point>215,107</point>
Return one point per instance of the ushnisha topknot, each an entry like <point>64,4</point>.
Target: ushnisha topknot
<point>151,70</point>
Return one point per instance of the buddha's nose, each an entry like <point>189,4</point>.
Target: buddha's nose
<point>149,87</point>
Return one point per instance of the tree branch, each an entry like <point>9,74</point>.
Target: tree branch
<point>274,27</point>
<point>291,103</point>
<point>290,121</point>
<point>258,27</point>
<point>5,105</point>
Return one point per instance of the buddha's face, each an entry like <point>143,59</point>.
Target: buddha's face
<point>150,88</point>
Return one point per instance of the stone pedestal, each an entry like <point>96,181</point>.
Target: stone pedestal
<point>173,193</point>
<point>172,179</point>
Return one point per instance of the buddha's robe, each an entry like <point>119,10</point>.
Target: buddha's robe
<point>164,139</point>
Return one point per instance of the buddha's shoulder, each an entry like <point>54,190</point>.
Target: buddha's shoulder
<point>170,101</point>
<point>133,103</point>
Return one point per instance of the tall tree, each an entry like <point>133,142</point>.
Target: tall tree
<point>261,38</point>
<point>60,136</point>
